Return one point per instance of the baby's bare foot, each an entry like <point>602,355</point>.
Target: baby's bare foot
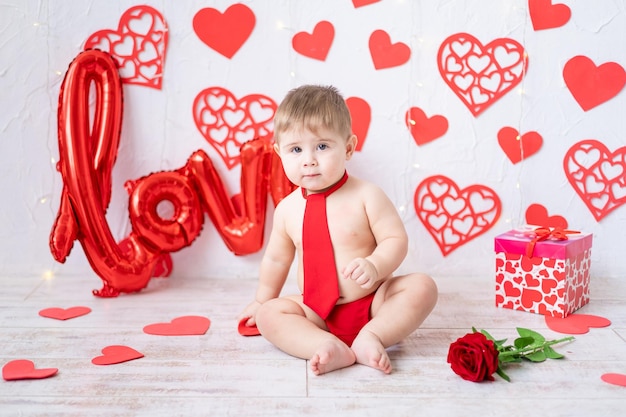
<point>369,351</point>
<point>330,356</point>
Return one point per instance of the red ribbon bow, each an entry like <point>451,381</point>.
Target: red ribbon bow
<point>545,233</point>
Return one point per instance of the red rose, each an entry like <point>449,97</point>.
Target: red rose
<point>473,357</point>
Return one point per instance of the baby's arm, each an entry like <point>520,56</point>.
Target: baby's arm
<point>274,269</point>
<point>391,241</point>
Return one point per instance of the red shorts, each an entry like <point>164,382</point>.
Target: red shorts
<point>346,320</point>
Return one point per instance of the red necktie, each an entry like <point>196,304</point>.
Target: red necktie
<point>321,289</point>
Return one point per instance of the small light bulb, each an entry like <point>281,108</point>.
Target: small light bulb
<point>48,275</point>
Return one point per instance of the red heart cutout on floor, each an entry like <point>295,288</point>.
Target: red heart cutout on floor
<point>64,313</point>
<point>360,3</point>
<point>25,369</point>
<point>537,214</point>
<point>423,128</point>
<point>138,45</point>
<point>591,85</point>
<point>480,75</point>
<point>227,122</point>
<point>361,115</point>
<point>116,354</point>
<point>576,323</point>
<point>453,216</point>
<point>225,33</point>
<point>317,44</point>
<point>386,54</point>
<point>614,379</point>
<point>247,330</point>
<point>181,326</point>
<point>597,175</point>
<point>545,15</point>
<point>516,147</point>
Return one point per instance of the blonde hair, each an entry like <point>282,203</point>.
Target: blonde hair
<point>313,107</point>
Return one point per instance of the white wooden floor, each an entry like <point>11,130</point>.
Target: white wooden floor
<point>224,374</point>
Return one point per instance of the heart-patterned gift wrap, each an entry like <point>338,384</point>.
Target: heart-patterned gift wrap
<point>227,122</point>
<point>480,75</point>
<point>554,281</point>
<point>597,175</point>
<point>139,45</point>
<point>317,44</point>
<point>454,216</point>
<point>225,32</point>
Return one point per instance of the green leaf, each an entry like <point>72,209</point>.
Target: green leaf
<point>537,356</point>
<point>487,335</point>
<point>551,353</point>
<point>539,339</point>
<point>510,359</point>
<point>503,375</point>
<point>522,342</point>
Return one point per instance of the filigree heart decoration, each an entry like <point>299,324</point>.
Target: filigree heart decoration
<point>597,175</point>
<point>138,45</point>
<point>454,216</point>
<point>227,122</point>
<point>480,75</point>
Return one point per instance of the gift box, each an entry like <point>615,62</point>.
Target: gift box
<point>543,270</point>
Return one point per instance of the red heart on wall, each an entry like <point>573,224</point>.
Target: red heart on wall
<point>181,326</point>
<point>227,122</point>
<point>592,85</point>
<point>480,75</point>
<point>224,32</point>
<point>116,354</point>
<point>361,115</point>
<point>386,54</point>
<point>545,15</point>
<point>138,45</point>
<point>64,313</point>
<point>423,128</point>
<point>516,147</point>
<point>454,216</point>
<point>25,369</point>
<point>597,175</point>
<point>317,44</point>
<point>360,3</point>
<point>538,215</point>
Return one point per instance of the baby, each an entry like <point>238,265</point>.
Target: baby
<point>374,310</point>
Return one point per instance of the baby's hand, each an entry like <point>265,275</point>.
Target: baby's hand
<point>249,313</point>
<point>361,271</point>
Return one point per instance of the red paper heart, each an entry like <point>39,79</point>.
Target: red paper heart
<point>545,15</point>
<point>538,215</point>
<point>247,330</point>
<point>317,44</point>
<point>591,85</point>
<point>516,147</point>
<point>138,45</point>
<point>361,117</point>
<point>181,326</point>
<point>360,3</point>
<point>597,175</point>
<point>453,216</point>
<point>25,369</point>
<point>614,379</point>
<point>116,354</point>
<point>227,122</point>
<point>480,75</point>
<point>576,323</point>
<point>64,313</point>
<point>386,54</point>
<point>225,33</point>
<point>423,128</point>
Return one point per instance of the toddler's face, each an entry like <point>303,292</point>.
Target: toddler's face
<point>314,161</point>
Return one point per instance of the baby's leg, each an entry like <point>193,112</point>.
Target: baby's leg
<point>284,323</point>
<point>400,306</point>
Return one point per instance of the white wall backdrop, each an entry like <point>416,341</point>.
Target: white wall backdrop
<point>39,39</point>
